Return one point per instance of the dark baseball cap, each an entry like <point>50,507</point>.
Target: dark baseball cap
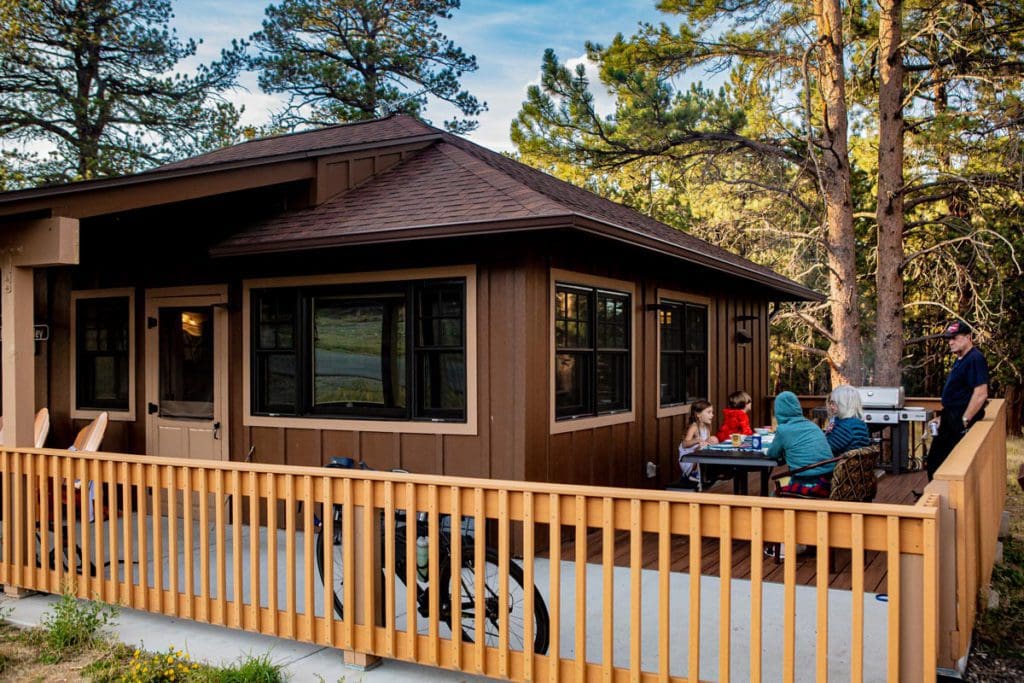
<point>956,327</point>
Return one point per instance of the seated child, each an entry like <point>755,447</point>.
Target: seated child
<point>736,418</point>
<point>698,435</point>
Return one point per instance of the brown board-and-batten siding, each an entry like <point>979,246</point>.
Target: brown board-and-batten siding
<point>617,454</point>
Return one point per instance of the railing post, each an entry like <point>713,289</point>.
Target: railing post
<point>367,589</point>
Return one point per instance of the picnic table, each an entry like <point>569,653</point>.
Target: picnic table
<point>741,460</point>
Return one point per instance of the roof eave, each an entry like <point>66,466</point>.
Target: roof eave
<point>158,175</point>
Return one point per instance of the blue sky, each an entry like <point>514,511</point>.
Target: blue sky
<point>508,38</point>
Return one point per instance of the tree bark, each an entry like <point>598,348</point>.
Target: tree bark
<point>889,210</point>
<point>845,352</point>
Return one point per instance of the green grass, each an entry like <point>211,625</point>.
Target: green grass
<point>122,664</point>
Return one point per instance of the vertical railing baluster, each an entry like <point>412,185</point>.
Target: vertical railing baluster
<point>43,501</point>
<point>253,496</point>
<point>172,537</point>
<point>272,578</point>
<point>857,596</point>
<point>529,605</point>
<point>821,652</point>
<point>456,577</point>
<point>696,553</point>
<point>892,539</point>
<point>411,621</point>
<point>348,565</point>
<point>31,574</point>
<point>433,575</point>
<point>756,589</point>
<point>204,545</point>
<point>236,549</point>
<point>391,569</point>
<point>503,561</point>
<point>725,596</point>
<point>157,483</point>
<point>555,602</point>
<point>221,547</point>
<point>581,587</point>
<point>608,593</point>
<point>127,591</point>
<point>307,558</point>
<point>84,508</point>
<point>664,595</point>
<point>112,541</point>
<point>141,526</point>
<point>289,553</point>
<point>327,534</point>
<point>58,522</point>
<point>371,572</point>
<point>187,501</point>
<point>789,595</point>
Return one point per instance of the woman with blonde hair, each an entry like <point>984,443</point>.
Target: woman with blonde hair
<point>846,428</point>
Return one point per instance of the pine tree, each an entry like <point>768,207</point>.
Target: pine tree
<point>345,60</point>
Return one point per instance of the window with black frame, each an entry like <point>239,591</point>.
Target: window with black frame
<point>102,353</point>
<point>684,352</point>
<point>592,351</point>
<point>385,350</point>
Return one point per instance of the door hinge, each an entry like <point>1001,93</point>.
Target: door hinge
<point>152,408</point>
<point>150,323</point>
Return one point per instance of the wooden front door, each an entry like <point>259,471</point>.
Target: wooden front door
<point>187,372</point>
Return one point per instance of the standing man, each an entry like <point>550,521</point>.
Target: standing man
<point>963,396</point>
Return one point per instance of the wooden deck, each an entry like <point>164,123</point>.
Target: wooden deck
<point>897,489</point>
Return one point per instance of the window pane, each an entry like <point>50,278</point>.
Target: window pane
<point>359,352</point>
<point>696,376</point>
<point>572,315</point>
<point>671,320</point>
<point>186,362</point>
<point>102,353</point>
<point>276,319</point>
<point>277,381</point>
<point>672,379</point>
<point>440,315</point>
<point>696,328</point>
<point>612,321</point>
<point>442,378</point>
<point>572,384</point>
<point>612,381</point>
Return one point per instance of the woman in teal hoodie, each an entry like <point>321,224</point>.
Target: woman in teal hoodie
<point>801,443</point>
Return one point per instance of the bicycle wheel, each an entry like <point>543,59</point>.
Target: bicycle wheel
<point>337,582</point>
<point>491,617</point>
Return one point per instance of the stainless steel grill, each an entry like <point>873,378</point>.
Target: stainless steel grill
<point>889,422</point>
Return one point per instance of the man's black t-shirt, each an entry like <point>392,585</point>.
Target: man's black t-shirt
<point>968,372</point>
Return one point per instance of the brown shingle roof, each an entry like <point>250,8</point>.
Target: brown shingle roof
<point>456,187</point>
<point>343,135</point>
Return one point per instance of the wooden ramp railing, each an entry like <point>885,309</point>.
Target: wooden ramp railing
<point>245,546</point>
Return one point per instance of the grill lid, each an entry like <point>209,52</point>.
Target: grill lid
<point>889,398</point>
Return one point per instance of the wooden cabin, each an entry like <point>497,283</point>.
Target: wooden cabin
<point>382,290</point>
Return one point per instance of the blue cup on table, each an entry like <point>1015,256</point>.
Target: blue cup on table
<point>755,442</point>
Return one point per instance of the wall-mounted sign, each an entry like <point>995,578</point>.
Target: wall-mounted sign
<point>39,332</point>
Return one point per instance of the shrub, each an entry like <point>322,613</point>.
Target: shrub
<point>173,665</point>
<point>250,670</point>
<point>71,624</point>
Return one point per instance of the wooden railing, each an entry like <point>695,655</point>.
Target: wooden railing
<point>230,544</point>
<point>971,488</point>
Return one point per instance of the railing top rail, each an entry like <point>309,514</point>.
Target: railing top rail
<point>536,488</point>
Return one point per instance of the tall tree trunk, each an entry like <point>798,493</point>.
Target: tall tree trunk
<point>845,351</point>
<point>889,211</point>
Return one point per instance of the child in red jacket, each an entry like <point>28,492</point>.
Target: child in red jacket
<point>735,418</point>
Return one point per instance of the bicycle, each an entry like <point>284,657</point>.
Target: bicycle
<point>466,580</point>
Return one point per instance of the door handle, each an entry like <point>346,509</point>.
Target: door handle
<point>152,408</point>
<point>216,430</point>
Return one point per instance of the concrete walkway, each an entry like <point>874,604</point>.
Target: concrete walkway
<point>305,662</point>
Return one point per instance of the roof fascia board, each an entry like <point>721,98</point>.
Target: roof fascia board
<point>10,202</point>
